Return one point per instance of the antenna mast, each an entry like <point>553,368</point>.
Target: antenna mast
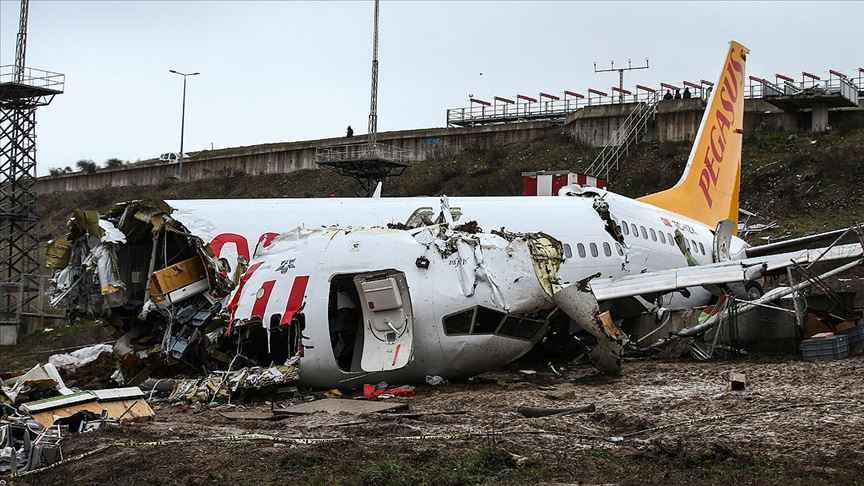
<point>620,74</point>
<point>373,104</point>
<point>21,42</point>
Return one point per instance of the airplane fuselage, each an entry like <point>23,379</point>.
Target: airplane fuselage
<point>235,227</point>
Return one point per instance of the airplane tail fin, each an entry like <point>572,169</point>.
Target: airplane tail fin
<point>708,189</point>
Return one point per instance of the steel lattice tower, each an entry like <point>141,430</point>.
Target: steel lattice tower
<point>372,162</point>
<point>22,90</point>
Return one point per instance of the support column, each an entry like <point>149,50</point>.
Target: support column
<point>819,120</point>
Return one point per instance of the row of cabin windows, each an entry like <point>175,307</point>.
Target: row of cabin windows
<point>593,249</point>
<point>664,238</point>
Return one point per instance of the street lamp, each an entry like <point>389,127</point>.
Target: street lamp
<point>182,121</point>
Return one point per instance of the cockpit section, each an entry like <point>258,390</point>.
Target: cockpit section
<point>480,320</point>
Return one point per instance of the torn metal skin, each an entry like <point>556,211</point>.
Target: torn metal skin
<point>580,304</point>
<point>140,271</point>
<point>437,271</point>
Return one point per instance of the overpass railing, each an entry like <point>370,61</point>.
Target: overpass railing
<point>847,88</point>
<point>480,113</point>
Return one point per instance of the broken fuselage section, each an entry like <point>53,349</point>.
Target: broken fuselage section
<point>140,271</point>
<point>355,305</point>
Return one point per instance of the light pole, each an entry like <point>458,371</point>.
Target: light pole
<point>182,122</point>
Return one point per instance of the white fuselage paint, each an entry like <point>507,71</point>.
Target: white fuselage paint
<point>572,220</point>
<point>322,254</point>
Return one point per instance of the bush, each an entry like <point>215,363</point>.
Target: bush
<point>87,166</point>
<point>114,162</point>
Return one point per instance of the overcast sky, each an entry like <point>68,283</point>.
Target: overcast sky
<point>285,71</point>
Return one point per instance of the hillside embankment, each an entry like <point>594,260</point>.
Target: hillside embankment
<point>806,182</point>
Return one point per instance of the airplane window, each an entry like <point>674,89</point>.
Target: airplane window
<point>625,228</point>
<point>607,250</point>
<point>487,321</point>
<point>662,237</point>
<point>635,231</point>
<point>581,249</point>
<point>520,328</point>
<point>568,253</point>
<point>459,323</point>
<point>653,235</point>
<point>671,239</point>
<point>620,250</point>
<point>644,233</point>
<point>701,248</point>
<point>693,246</point>
<point>686,244</point>
<point>594,252</point>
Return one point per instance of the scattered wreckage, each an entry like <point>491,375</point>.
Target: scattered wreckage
<point>354,305</point>
<point>141,272</point>
<point>38,410</point>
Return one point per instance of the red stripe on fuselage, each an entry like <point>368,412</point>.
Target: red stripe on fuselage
<point>260,306</point>
<point>295,299</point>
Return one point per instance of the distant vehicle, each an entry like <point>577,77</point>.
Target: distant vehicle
<point>172,157</point>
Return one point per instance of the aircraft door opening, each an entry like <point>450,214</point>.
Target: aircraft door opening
<point>388,321</point>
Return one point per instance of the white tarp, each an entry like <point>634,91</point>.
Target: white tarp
<point>80,357</point>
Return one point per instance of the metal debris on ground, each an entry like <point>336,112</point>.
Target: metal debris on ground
<point>222,385</point>
<point>28,446</point>
<point>737,381</point>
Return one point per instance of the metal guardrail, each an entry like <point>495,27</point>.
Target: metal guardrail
<point>545,110</point>
<point>361,151</point>
<point>36,78</point>
<point>521,111</point>
<point>846,88</point>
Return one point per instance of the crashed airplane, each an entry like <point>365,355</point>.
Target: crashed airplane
<point>358,301</point>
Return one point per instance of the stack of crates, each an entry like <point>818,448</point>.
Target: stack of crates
<point>825,349</point>
<point>855,336</point>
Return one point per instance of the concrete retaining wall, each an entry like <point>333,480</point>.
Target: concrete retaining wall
<point>595,126</point>
<point>280,158</point>
<point>676,121</point>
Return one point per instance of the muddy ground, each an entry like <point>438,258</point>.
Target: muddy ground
<point>662,421</point>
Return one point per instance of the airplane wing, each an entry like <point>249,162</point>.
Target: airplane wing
<point>732,271</point>
<point>580,301</point>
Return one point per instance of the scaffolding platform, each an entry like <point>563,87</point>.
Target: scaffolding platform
<point>34,87</point>
<point>368,164</point>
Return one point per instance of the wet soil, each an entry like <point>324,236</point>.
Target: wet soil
<point>662,421</point>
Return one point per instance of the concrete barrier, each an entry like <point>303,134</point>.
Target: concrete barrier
<point>280,158</point>
<point>595,126</point>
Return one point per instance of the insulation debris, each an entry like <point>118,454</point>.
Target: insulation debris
<point>221,385</point>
